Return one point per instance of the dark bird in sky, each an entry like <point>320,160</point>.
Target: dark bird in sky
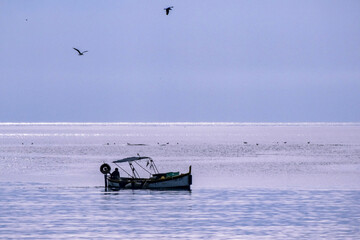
<point>80,53</point>
<point>168,10</point>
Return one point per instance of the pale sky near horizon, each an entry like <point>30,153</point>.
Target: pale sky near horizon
<point>209,61</point>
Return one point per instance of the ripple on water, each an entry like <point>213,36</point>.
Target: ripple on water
<point>43,211</point>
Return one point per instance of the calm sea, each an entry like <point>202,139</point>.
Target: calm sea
<point>250,181</point>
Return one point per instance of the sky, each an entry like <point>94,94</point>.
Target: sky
<point>207,61</point>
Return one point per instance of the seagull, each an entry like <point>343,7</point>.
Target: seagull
<point>168,10</point>
<point>80,53</point>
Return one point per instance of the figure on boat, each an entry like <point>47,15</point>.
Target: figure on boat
<point>115,174</point>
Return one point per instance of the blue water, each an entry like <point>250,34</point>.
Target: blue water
<point>306,188</point>
<point>59,212</point>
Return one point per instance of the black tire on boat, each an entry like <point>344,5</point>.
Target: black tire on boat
<point>105,168</point>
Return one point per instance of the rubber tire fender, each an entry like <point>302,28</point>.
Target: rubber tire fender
<point>105,168</point>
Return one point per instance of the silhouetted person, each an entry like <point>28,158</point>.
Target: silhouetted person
<point>115,174</point>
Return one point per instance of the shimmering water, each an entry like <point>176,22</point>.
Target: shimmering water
<point>250,181</point>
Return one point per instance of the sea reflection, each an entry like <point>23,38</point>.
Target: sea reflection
<point>43,211</point>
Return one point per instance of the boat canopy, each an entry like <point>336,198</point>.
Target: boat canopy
<point>130,159</point>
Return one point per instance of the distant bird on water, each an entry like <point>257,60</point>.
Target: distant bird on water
<point>168,10</point>
<point>80,53</point>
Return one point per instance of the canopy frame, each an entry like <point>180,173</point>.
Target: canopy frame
<point>135,174</point>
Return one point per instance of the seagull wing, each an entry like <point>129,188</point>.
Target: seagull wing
<point>77,50</point>
<point>84,51</point>
<point>167,11</point>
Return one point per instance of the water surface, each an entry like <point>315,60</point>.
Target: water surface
<point>250,181</point>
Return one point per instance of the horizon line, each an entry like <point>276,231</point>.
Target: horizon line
<point>176,123</point>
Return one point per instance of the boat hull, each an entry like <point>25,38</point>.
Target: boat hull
<point>182,181</point>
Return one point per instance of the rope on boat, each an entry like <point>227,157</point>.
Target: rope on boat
<point>142,167</point>
<point>154,166</point>
<point>124,171</point>
<point>135,173</point>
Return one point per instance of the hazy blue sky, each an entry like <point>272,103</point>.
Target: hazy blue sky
<point>229,60</point>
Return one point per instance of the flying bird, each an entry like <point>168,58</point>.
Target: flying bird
<point>80,53</point>
<point>168,10</point>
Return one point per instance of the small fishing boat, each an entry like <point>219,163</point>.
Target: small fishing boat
<point>156,180</point>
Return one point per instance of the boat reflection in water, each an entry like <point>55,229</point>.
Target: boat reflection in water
<point>157,180</point>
